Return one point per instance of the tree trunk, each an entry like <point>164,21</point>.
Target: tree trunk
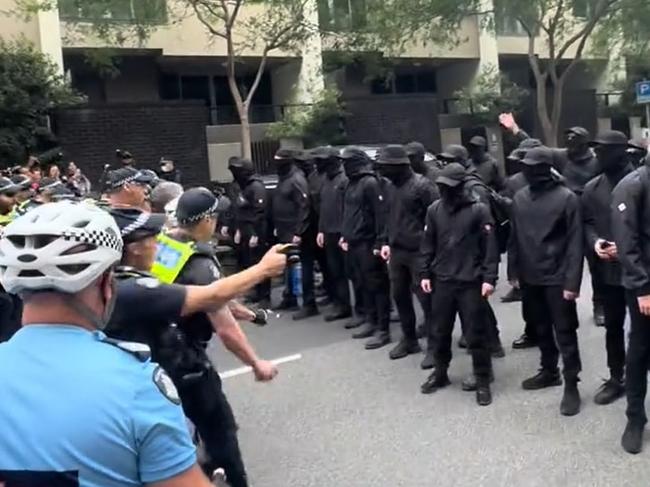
<point>246,146</point>
<point>550,133</point>
<point>556,114</point>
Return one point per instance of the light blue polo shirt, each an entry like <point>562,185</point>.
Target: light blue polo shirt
<point>75,407</point>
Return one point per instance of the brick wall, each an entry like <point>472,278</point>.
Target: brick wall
<point>89,136</point>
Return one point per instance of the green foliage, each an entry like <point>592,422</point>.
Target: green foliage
<point>316,124</point>
<point>490,94</point>
<point>29,88</point>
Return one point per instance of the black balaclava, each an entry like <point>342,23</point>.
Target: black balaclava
<point>355,167</point>
<point>476,153</point>
<point>539,176</point>
<point>576,144</point>
<point>612,159</point>
<point>333,168</point>
<point>451,197</point>
<point>418,164</point>
<point>398,174</point>
<point>306,166</point>
<point>283,166</point>
<point>241,175</point>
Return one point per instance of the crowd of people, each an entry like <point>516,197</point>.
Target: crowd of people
<point>110,301</point>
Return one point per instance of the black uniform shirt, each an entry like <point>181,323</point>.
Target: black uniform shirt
<point>363,207</point>
<point>291,202</point>
<point>250,209</point>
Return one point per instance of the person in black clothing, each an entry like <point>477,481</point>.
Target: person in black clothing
<point>611,147</point>
<point>416,153</point>
<point>361,227</point>
<point>637,151</point>
<point>329,230</point>
<point>631,229</point>
<point>486,165</point>
<point>251,222</point>
<point>168,171</point>
<point>291,219</point>
<point>545,257</point>
<point>460,255</point>
<point>411,195</point>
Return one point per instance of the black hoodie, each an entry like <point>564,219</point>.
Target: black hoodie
<point>251,208</point>
<point>363,207</point>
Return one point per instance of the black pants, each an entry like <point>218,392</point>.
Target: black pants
<point>556,320</point>
<point>404,281</point>
<point>357,285</point>
<point>205,404</point>
<point>320,256</point>
<point>450,298</point>
<point>598,286</point>
<point>638,359</point>
<point>371,271</point>
<point>492,324</point>
<point>614,307</point>
<point>249,256</point>
<point>528,315</point>
<point>337,277</point>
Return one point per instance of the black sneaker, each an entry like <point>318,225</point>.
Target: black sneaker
<point>305,312</point>
<point>437,380</point>
<point>497,350</point>
<point>570,404</point>
<point>366,332</point>
<point>513,296</point>
<point>378,340</point>
<point>483,395</point>
<point>429,361</point>
<point>469,383</point>
<point>543,379</point>
<point>338,314</point>
<point>523,342</point>
<point>404,348</point>
<point>632,440</point>
<point>609,392</point>
<point>355,322</point>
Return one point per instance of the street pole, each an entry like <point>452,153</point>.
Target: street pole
<point>647,120</point>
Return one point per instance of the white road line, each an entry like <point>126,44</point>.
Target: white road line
<point>245,370</point>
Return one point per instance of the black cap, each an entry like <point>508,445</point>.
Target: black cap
<point>352,152</point>
<point>240,163</point>
<point>123,154</point>
<point>393,155</point>
<point>21,181</point>
<point>303,155</point>
<point>539,155</point>
<point>322,153</point>
<point>578,131</point>
<point>452,175</point>
<point>124,175</point>
<point>610,137</point>
<point>530,144</point>
<point>478,141</point>
<point>136,224</point>
<point>8,187</point>
<point>415,149</point>
<point>454,153</point>
<point>196,204</point>
<point>285,155</point>
<point>53,186</point>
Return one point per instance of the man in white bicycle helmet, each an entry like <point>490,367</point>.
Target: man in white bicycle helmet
<point>79,409</point>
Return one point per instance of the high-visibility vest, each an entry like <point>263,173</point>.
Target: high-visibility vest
<point>7,219</point>
<point>171,258</point>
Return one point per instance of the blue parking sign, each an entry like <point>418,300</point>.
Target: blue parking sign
<point>643,92</point>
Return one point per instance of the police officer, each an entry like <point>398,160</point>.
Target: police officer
<point>611,150</point>
<point>360,239</point>
<point>49,190</point>
<point>250,216</point>
<point>486,166</point>
<point>8,192</point>
<point>291,219</point>
<point>127,187</point>
<point>24,188</point>
<point>545,258</point>
<point>112,394</point>
<point>416,153</point>
<point>329,231</point>
<point>631,228</point>
<point>412,194</point>
<point>459,254</point>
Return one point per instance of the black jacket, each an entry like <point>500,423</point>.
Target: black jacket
<point>546,243</point>
<point>408,209</point>
<point>513,184</point>
<point>577,171</point>
<point>459,244</point>
<point>291,206</point>
<point>631,226</point>
<point>597,218</point>
<point>331,199</point>
<point>363,205</point>
<point>315,181</point>
<point>251,209</point>
<point>488,171</point>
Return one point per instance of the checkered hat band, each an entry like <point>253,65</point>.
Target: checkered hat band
<point>96,238</point>
<point>122,182</point>
<point>209,212</point>
<point>137,224</point>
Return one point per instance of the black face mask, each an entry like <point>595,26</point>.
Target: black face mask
<point>418,165</point>
<point>306,167</point>
<point>451,196</point>
<point>354,167</point>
<point>333,169</point>
<point>241,176</point>
<point>284,168</point>
<point>538,176</point>
<point>477,154</point>
<point>321,165</point>
<point>395,173</point>
<point>611,158</point>
<point>575,144</point>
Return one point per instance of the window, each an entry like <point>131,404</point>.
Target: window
<point>195,88</point>
<point>135,11</point>
<point>342,15</point>
<point>507,25</point>
<point>403,83</point>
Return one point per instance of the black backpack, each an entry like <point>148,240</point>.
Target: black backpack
<point>500,209</point>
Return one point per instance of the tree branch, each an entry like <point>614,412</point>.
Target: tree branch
<point>258,79</point>
<point>206,22</point>
<point>599,12</point>
<point>235,13</point>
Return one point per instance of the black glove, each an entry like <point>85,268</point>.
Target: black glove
<point>261,317</point>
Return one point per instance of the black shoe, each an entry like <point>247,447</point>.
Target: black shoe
<point>366,332</point>
<point>324,301</point>
<point>513,296</point>
<point>421,331</point>
<point>469,383</point>
<point>437,380</point>
<point>632,440</point>
<point>355,322</point>
<point>483,395</point>
<point>378,340</point>
<point>394,317</point>
<point>462,343</point>
<point>523,342</point>
<point>497,350</point>
<point>570,404</point>
<point>543,379</point>
<point>609,392</point>
<point>306,312</point>
<point>339,314</point>
<point>287,305</point>
<point>428,362</point>
<point>404,348</point>
<point>599,314</point>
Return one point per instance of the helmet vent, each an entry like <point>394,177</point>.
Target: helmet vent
<point>27,258</point>
<point>31,273</point>
<point>82,224</point>
<point>17,240</point>
<point>73,269</point>
<point>41,241</point>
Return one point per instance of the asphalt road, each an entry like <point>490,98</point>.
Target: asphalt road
<point>342,416</point>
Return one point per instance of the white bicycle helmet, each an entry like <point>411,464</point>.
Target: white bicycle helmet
<point>61,246</point>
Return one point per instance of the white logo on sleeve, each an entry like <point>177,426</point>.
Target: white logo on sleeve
<point>622,207</point>
<point>165,385</point>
